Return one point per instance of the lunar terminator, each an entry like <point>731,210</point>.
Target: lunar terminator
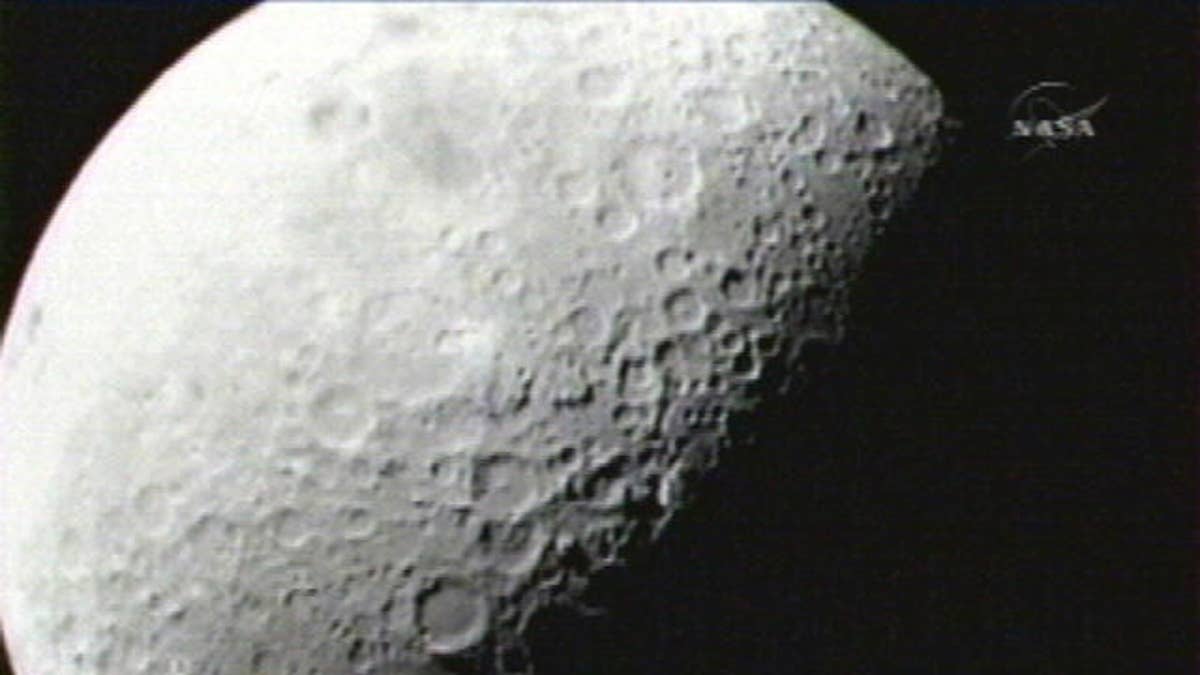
<point>372,330</point>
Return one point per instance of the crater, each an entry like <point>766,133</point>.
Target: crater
<point>452,615</point>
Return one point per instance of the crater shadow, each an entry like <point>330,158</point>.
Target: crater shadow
<point>796,554</point>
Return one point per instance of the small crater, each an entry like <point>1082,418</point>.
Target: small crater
<point>505,281</point>
<point>658,174</point>
<point>568,386</point>
<point>503,485</point>
<point>674,263</point>
<point>768,230</point>
<point>261,660</point>
<point>339,414</point>
<point>615,221</point>
<point>778,287</point>
<point>150,499</point>
<point>809,218</point>
<point>768,343</point>
<point>357,652</point>
<point>600,82</point>
<point>665,353</point>
<point>745,365</point>
<point>512,548</point>
<point>807,135</point>
<point>731,342</point>
<point>879,206</point>
<point>448,163</point>
<point>636,379</point>
<point>806,75</point>
<point>582,326</point>
<point>684,309</point>
<point>399,26</point>
<point>736,287</point>
<point>488,243</point>
<point>827,162</point>
<point>288,526</point>
<point>338,118</point>
<point>874,131</point>
<point>356,523</point>
<point>629,418</point>
<point>34,323</point>
<point>452,615</point>
<point>574,188</point>
<point>737,48</point>
<point>604,486</point>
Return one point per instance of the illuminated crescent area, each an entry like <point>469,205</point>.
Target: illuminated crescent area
<point>371,330</point>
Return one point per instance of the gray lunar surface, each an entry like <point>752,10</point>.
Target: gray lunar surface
<point>373,329</point>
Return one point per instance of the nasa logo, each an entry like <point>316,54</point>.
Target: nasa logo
<point>1060,129</point>
<point>1037,118</point>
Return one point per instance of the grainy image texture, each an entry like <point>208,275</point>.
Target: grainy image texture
<point>415,318</point>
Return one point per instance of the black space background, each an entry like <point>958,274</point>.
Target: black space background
<point>995,475</point>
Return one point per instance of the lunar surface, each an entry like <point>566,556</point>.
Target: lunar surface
<point>372,330</point>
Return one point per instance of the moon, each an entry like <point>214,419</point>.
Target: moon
<point>372,330</point>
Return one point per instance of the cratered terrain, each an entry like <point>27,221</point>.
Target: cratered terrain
<point>372,330</point>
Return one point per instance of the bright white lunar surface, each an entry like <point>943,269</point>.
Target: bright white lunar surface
<point>373,329</point>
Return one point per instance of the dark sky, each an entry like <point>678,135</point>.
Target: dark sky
<point>1001,476</point>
